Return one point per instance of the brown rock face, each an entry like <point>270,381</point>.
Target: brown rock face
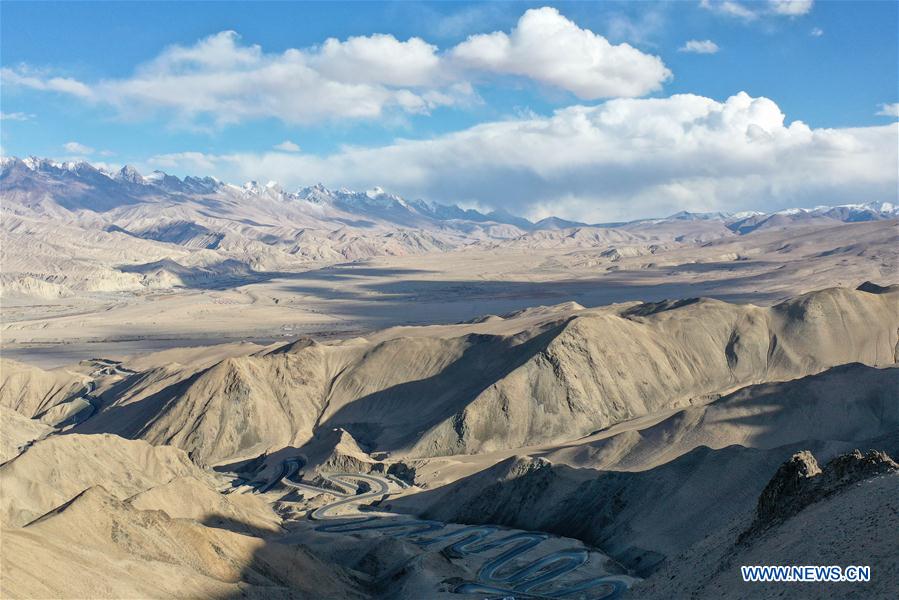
<point>784,493</point>
<point>801,481</point>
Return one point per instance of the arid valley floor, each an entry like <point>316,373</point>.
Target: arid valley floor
<point>213,391</point>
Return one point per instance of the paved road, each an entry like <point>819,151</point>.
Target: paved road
<point>380,487</point>
<point>288,468</point>
<point>498,575</point>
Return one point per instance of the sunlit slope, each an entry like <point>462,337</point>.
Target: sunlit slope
<point>569,374</point>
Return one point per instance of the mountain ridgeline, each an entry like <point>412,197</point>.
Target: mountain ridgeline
<point>501,383</point>
<point>39,183</point>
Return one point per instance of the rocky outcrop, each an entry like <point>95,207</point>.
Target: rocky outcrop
<point>855,526</point>
<point>800,482</point>
<point>873,288</point>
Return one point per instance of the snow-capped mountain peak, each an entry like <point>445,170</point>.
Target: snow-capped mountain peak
<point>130,174</point>
<point>745,214</point>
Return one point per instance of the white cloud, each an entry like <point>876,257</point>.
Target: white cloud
<point>641,29</point>
<point>15,116</point>
<point>700,47</point>
<point>730,8</point>
<point>791,8</point>
<point>77,148</point>
<point>287,146</point>
<point>379,59</point>
<point>625,158</point>
<point>229,82</point>
<point>196,162</point>
<point>465,20</point>
<point>105,166</point>
<point>37,81</point>
<point>750,11</point>
<point>547,47</point>
<point>889,110</point>
<point>219,80</point>
<point>816,32</point>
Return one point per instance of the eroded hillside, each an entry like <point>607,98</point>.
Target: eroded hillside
<point>474,388</point>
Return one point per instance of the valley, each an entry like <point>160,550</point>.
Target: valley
<point>86,289</point>
<point>218,409</point>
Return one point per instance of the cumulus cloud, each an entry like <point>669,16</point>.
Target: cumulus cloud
<point>287,146</point>
<point>219,80</point>
<point>231,82</point>
<point>379,59</point>
<point>751,11</point>
<point>816,32</point>
<point>547,47</point>
<point>225,81</point>
<point>625,158</point>
<point>700,47</point>
<point>889,110</point>
<point>77,148</point>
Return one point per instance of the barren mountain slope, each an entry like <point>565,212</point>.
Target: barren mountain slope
<point>685,477</point>
<point>565,376</point>
<point>577,375</point>
<point>17,432</point>
<point>57,468</point>
<point>854,526</point>
<point>30,390</point>
<point>96,546</point>
<point>848,402</point>
<point>100,516</point>
<point>496,409</point>
<point>237,408</point>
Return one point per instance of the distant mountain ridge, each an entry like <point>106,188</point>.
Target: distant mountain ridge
<point>97,190</point>
<point>81,186</point>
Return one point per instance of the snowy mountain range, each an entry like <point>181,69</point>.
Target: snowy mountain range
<point>71,228</point>
<point>79,186</point>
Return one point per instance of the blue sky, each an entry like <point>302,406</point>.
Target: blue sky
<point>831,65</point>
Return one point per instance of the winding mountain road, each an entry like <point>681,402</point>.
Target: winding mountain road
<point>379,488</point>
<point>497,575</point>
